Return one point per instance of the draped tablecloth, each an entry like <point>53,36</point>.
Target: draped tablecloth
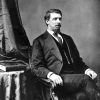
<point>12,85</point>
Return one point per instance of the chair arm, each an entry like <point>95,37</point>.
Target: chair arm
<point>46,82</point>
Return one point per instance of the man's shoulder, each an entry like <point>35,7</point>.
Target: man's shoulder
<point>41,37</point>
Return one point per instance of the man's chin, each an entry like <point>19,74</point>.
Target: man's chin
<point>57,29</point>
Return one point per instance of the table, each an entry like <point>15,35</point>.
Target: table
<point>12,85</point>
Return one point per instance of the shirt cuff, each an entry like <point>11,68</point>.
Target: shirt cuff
<point>87,70</point>
<point>49,74</point>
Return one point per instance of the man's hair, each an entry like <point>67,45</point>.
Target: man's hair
<point>47,15</point>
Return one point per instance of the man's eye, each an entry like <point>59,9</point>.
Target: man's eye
<point>55,18</point>
<point>60,18</point>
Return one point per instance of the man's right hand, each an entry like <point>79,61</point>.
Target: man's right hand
<point>57,80</point>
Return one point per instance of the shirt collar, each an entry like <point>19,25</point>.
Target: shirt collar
<point>50,32</point>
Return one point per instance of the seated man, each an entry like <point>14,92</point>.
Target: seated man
<point>55,57</point>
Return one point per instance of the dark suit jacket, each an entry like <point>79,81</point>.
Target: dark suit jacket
<point>46,56</point>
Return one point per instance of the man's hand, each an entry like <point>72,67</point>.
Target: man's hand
<point>91,73</point>
<point>57,80</point>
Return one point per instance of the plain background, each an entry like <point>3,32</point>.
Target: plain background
<point>81,20</point>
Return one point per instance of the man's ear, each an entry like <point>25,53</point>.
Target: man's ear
<point>47,22</point>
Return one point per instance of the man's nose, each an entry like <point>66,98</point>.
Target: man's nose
<point>58,20</point>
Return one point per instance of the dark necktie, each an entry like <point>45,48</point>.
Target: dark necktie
<point>59,38</point>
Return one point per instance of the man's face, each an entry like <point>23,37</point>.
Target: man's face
<point>54,23</point>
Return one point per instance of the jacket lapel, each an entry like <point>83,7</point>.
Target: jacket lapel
<point>52,46</point>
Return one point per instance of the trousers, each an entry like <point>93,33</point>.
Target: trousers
<point>73,83</point>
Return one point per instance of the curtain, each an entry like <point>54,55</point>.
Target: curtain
<point>14,42</point>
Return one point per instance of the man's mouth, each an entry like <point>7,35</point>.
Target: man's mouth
<point>58,25</point>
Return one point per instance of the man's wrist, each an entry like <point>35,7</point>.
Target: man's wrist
<point>87,70</point>
<point>49,74</point>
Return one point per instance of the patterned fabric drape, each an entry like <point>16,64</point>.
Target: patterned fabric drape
<point>12,85</point>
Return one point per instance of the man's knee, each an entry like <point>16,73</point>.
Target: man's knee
<point>91,89</point>
<point>89,84</point>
